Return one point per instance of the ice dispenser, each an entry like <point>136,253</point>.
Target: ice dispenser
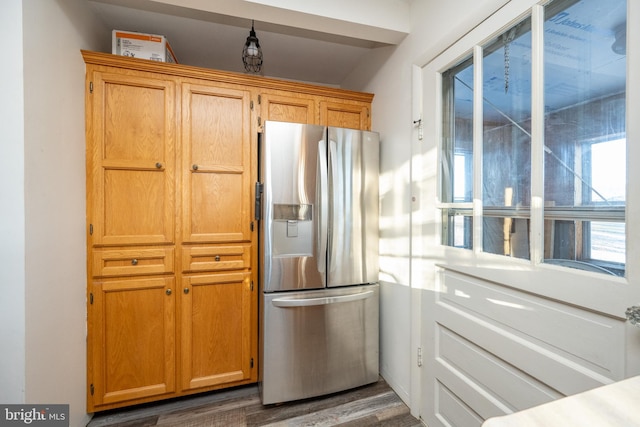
<point>292,230</point>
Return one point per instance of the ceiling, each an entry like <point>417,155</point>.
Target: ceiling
<point>317,41</point>
<point>580,63</point>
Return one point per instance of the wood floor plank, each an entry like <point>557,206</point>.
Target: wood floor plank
<point>348,411</point>
<point>372,405</point>
<point>265,415</point>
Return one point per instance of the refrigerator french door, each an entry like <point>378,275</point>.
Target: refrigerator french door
<point>318,199</point>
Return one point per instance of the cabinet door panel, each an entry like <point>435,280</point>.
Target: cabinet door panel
<point>284,108</point>
<point>133,205</point>
<point>352,116</point>
<point>216,329</point>
<point>219,217</point>
<point>131,164</point>
<point>217,164</point>
<point>134,342</point>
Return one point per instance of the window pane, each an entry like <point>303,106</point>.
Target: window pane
<point>457,153</point>
<point>607,170</point>
<point>506,155</point>
<point>607,241</point>
<point>457,225</point>
<point>585,146</point>
<point>458,134</point>
<point>506,236</point>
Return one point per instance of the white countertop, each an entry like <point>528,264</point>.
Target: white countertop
<point>616,404</point>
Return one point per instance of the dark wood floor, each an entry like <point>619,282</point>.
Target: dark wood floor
<point>372,405</point>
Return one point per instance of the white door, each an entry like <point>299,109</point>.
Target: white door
<point>525,263</point>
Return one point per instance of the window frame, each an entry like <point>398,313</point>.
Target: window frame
<point>537,214</point>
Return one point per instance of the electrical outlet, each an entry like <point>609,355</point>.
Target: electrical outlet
<point>419,356</point>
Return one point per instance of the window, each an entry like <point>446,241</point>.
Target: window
<point>506,142</point>
<point>457,156</point>
<point>582,177</point>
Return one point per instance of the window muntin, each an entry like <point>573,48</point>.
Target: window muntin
<point>585,106</point>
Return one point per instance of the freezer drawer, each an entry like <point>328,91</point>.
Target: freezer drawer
<point>318,342</point>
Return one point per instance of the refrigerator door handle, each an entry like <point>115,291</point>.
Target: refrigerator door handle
<point>322,205</point>
<point>306,302</point>
<point>337,204</point>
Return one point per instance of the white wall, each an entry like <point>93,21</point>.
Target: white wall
<point>54,147</point>
<point>389,73</point>
<point>12,315</point>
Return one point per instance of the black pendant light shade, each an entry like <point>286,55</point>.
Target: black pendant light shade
<point>252,53</point>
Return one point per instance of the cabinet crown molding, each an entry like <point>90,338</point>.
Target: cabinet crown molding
<point>188,71</point>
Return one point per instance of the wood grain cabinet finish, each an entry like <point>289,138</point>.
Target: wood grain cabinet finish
<point>132,159</point>
<point>287,107</point>
<point>172,237</point>
<point>216,164</point>
<point>132,334</point>
<point>208,258</point>
<point>216,335</point>
<point>345,115</point>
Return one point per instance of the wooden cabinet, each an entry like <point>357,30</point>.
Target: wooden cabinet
<point>172,237</point>
<point>131,159</point>
<point>216,329</point>
<point>345,115</point>
<point>315,109</point>
<point>216,164</point>
<point>217,178</point>
<point>287,107</point>
<point>131,202</point>
<point>132,324</point>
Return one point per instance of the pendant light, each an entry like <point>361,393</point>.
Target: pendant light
<point>252,53</point>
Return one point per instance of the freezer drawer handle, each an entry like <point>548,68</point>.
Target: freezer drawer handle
<point>305,302</point>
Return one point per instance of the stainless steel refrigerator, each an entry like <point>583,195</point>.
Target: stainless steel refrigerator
<point>318,205</point>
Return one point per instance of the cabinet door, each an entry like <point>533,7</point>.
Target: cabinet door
<point>345,115</point>
<point>131,163</point>
<point>132,339</point>
<point>216,168</point>
<point>216,329</point>
<point>287,108</point>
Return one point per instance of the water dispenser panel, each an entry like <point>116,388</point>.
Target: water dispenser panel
<point>292,230</point>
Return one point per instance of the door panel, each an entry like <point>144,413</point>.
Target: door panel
<point>216,167</point>
<point>216,329</point>
<point>289,166</point>
<point>132,160</point>
<point>134,342</point>
<point>344,115</point>
<point>353,212</point>
<point>285,108</point>
<point>319,342</point>
<point>502,334</point>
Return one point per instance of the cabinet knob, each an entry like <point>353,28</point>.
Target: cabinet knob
<point>217,258</point>
<point>159,165</point>
<point>134,261</point>
<point>168,292</point>
<point>194,167</point>
<point>186,290</point>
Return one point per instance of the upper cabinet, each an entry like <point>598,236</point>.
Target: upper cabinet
<point>352,115</point>
<point>287,107</point>
<point>132,159</point>
<point>307,108</point>
<point>216,163</point>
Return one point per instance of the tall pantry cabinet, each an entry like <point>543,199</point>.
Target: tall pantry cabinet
<point>172,295</point>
